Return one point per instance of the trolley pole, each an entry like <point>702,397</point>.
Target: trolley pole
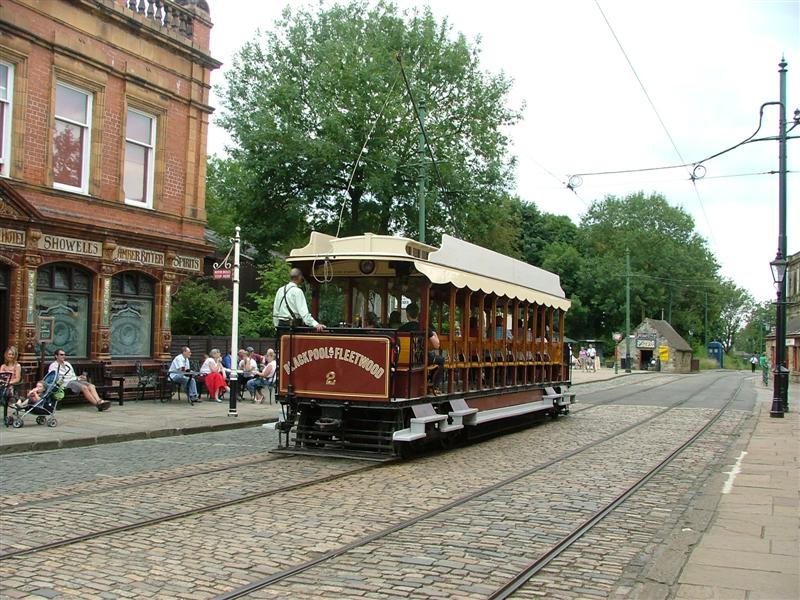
<point>628,310</point>
<point>232,410</point>
<point>423,171</point>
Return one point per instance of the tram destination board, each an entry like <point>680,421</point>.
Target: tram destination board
<point>336,367</point>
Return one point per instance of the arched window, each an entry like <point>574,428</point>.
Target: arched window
<point>63,293</point>
<point>132,295</point>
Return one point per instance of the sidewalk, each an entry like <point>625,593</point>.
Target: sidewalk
<point>84,426</point>
<point>750,549</point>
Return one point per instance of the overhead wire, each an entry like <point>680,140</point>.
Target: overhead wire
<point>560,181</point>
<point>361,152</point>
<point>658,115</point>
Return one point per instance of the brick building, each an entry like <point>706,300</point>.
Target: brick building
<point>103,123</point>
<point>792,321</point>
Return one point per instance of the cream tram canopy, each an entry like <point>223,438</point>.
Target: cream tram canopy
<point>457,262</point>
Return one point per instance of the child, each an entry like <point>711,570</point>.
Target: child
<point>33,396</point>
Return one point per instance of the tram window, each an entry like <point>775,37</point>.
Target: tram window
<point>331,303</point>
<point>367,297</point>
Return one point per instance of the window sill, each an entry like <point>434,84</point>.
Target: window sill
<point>69,188</point>
<point>137,204</point>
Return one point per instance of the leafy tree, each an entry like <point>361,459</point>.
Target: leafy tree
<point>760,321</point>
<point>538,231</point>
<point>735,305</point>
<point>222,175</point>
<point>671,265</point>
<point>198,309</point>
<point>301,99</point>
<point>257,321</point>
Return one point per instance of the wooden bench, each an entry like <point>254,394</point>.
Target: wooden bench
<point>109,386</point>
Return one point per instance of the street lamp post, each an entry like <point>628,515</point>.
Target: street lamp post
<point>780,388</point>
<point>780,393</point>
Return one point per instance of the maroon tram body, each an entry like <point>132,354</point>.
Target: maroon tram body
<point>497,359</point>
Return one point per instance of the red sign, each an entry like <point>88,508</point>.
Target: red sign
<point>336,366</point>
<point>222,273</point>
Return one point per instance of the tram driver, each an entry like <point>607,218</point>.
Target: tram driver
<point>434,357</point>
<point>290,308</point>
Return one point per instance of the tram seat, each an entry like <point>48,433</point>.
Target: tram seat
<point>405,351</point>
<point>423,414</point>
<point>559,398</point>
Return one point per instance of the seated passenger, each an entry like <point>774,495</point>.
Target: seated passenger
<point>413,324</point>
<point>394,319</point>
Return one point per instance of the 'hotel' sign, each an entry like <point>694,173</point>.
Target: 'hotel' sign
<point>12,237</point>
<point>57,243</point>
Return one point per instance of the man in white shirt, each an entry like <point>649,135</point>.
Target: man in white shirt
<point>76,384</point>
<point>290,306</point>
<point>180,364</point>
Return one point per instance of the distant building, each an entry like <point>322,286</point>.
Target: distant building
<point>654,343</point>
<point>103,123</point>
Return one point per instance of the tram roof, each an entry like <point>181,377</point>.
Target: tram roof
<point>456,262</point>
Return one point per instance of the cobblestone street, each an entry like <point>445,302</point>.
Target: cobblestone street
<point>455,524</point>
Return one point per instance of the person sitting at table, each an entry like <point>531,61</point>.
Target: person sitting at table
<point>213,374</point>
<point>259,358</point>
<point>266,377</point>
<point>247,367</point>
<point>177,373</point>
<point>78,385</point>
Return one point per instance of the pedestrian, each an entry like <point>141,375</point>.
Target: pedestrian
<point>753,363</point>
<point>591,354</point>
<point>73,383</point>
<point>10,365</point>
<point>290,308</point>
<point>764,368</point>
<point>583,359</point>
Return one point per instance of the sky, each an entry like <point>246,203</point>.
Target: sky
<point>705,68</point>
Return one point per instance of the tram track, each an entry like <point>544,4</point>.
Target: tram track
<point>462,500</point>
<point>140,524</point>
<point>20,499</point>
<point>530,571</point>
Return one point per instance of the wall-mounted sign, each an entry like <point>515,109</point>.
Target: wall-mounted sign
<point>12,237</point>
<point>646,341</point>
<point>187,263</point>
<point>663,353</point>
<point>140,256</point>
<point>46,325</point>
<point>68,245</point>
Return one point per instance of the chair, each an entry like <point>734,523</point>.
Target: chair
<point>146,381</point>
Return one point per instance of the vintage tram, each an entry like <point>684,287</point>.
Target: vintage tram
<point>374,383</point>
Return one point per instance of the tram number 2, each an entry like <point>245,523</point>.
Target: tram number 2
<point>330,378</point>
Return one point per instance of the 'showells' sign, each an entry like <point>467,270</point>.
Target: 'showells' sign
<point>336,366</point>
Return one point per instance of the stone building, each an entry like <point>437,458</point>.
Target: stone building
<point>655,339</point>
<point>103,124</point>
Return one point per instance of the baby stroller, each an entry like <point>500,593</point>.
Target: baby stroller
<point>44,409</point>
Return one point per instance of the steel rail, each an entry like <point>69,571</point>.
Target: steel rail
<point>6,500</point>
<point>526,574</point>
<point>186,513</point>
<point>301,567</point>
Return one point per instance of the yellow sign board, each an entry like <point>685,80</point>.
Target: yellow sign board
<point>663,353</point>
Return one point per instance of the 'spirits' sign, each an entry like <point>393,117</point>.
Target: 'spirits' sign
<point>12,237</point>
<point>186,263</point>
<point>336,366</point>
<point>68,245</point>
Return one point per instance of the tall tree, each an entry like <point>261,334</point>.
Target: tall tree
<point>735,305</point>
<point>671,265</point>
<point>301,100</point>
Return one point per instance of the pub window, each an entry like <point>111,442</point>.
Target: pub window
<point>62,292</point>
<point>132,295</point>
<point>140,137</point>
<point>71,139</point>
<point>6,95</point>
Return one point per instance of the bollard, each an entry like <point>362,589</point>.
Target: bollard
<point>616,367</point>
